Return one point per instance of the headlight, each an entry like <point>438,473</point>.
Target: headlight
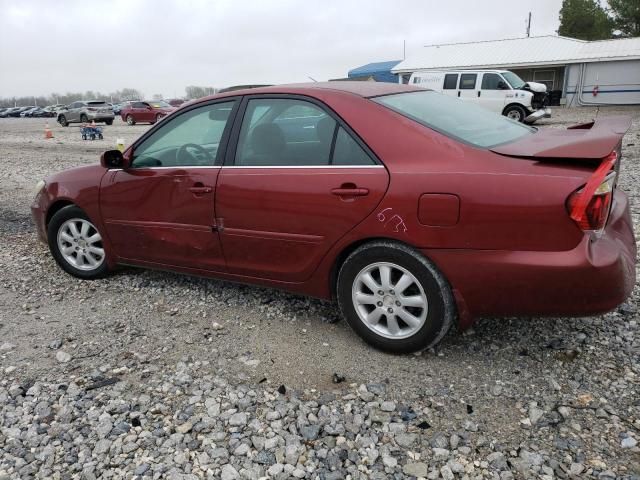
<point>38,188</point>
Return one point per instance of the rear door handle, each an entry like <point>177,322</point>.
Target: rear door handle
<point>200,190</point>
<point>350,192</point>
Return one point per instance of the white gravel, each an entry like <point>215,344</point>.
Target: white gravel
<point>154,375</point>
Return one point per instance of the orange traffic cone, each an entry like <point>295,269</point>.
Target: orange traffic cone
<point>47,131</point>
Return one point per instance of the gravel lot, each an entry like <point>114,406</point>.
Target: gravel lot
<point>154,375</point>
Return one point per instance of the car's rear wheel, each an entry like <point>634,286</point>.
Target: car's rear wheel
<point>515,112</point>
<point>62,120</point>
<point>76,244</point>
<point>395,298</point>
<point>108,122</point>
<point>84,118</point>
<point>130,120</point>
<point>158,118</point>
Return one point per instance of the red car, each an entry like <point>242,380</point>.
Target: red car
<point>413,209</point>
<point>150,112</point>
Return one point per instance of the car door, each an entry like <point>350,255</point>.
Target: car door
<point>73,114</point>
<point>298,180</point>
<point>145,112</point>
<point>160,210</point>
<point>468,87</point>
<point>492,92</point>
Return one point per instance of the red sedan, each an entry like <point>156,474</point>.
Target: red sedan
<point>149,112</point>
<point>414,210</point>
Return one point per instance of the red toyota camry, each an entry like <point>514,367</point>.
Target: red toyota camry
<point>414,210</point>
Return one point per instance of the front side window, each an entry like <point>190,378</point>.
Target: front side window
<point>450,81</point>
<point>468,81</point>
<point>284,132</point>
<point>463,121</point>
<point>190,139</point>
<point>493,81</point>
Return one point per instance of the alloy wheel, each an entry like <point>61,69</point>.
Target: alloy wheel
<point>389,300</point>
<point>80,244</point>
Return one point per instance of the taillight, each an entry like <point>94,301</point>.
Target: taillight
<point>589,207</point>
<point>91,109</point>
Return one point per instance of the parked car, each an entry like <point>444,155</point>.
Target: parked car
<point>86,111</point>
<point>16,112</point>
<point>28,111</point>
<point>41,113</point>
<point>175,102</point>
<point>145,111</point>
<point>500,91</point>
<point>3,110</point>
<point>7,112</point>
<point>413,209</point>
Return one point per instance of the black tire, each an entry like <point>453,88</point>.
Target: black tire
<point>108,122</point>
<point>62,120</point>
<point>84,118</point>
<point>55,224</point>
<point>158,118</point>
<point>130,120</point>
<point>515,112</point>
<point>441,311</point>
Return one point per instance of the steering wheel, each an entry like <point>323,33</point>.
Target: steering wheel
<point>202,157</point>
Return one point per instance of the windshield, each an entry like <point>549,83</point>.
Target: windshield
<point>514,80</point>
<point>96,103</point>
<point>455,118</point>
<point>159,104</point>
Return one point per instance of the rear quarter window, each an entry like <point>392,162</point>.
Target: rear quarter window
<point>455,118</point>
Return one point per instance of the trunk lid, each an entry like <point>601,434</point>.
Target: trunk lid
<point>588,141</point>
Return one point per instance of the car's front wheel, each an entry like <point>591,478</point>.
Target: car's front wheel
<point>395,298</point>
<point>130,120</point>
<point>62,120</point>
<point>76,244</point>
<point>515,112</point>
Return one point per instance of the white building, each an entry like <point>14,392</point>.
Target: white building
<point>577,72</point>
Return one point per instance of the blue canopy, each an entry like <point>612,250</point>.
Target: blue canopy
<point>380,71</point>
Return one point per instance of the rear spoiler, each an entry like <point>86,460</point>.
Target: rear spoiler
<point>593,140</point>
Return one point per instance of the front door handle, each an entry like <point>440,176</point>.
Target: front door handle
<point>200,189</point>
<point>478,92</point>
<point>350,192</point>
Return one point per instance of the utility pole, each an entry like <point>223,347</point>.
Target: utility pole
<point>529,25</point>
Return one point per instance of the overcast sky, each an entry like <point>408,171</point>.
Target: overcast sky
<point>160,46</point>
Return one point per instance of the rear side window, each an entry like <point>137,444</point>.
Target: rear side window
<point>463,121</point>
<point>468,81</point>
<point>450,81</point>
<point>284,132</point>
<point>348,152</point>
<point>292,132</point>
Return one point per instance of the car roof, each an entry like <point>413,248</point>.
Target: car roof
<point>362,89</point>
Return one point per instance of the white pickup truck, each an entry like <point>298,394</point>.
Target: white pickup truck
<point>501,91</point>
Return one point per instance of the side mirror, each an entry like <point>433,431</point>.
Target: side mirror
<point>502,86</point>
<point>112,159</point>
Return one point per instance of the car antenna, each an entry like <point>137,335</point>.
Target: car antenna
<point>312,78</point>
